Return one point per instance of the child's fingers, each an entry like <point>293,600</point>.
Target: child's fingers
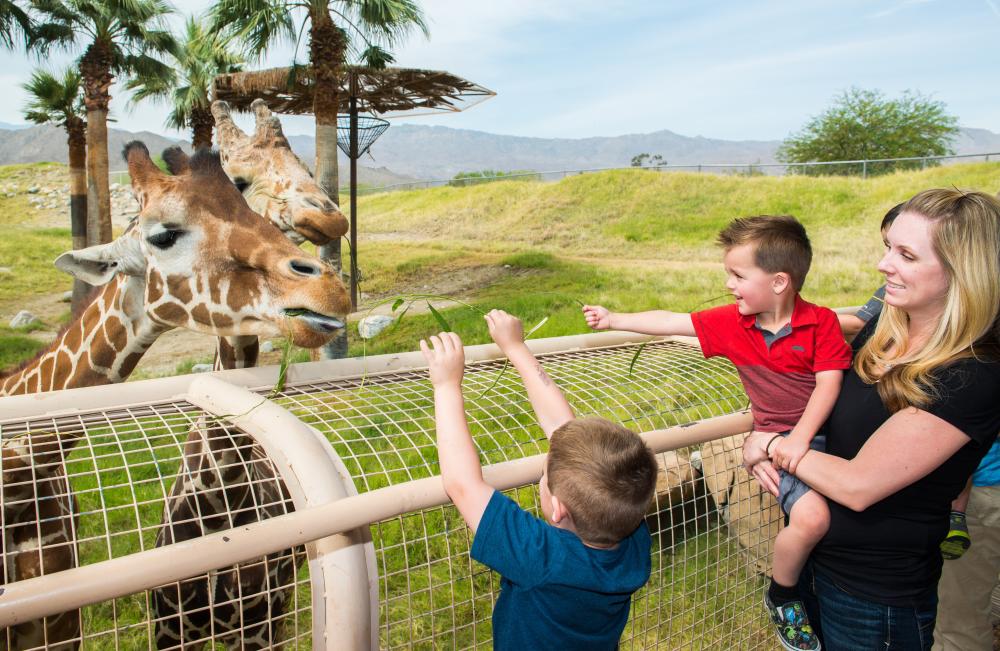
<point>455,342</point>
<point>425,350</point>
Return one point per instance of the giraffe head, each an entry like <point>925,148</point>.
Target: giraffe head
<point>207,262</point>
<point>273,180</point>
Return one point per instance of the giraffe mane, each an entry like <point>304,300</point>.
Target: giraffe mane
<point>90,298</point>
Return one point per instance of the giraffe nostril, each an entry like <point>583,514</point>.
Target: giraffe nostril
<point>305,267</point>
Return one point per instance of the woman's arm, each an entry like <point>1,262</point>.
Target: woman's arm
<point>907,447</point>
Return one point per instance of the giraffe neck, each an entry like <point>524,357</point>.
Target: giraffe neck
<point>102,346</point>
<point>236,352</point>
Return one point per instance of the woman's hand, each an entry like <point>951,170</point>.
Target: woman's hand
<point>756,462</point>
<point>767,475</point>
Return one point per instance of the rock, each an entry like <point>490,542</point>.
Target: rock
<point>202,368</point>
<point>33,189</point>
<point>5,270</point>
<point>370,326</point>
<point>267,347</point>
<point>23,319</point>
<point>752,514</point>
<point>67,297</point>
<point>506,266</point>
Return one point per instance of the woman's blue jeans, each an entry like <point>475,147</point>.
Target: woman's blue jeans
<point>845,622</point>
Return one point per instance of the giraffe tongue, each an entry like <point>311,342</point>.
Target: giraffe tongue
<point>314,320</point>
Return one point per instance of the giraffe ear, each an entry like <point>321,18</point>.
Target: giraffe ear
<point>98,264</point>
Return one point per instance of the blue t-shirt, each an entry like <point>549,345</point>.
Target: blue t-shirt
<point>988,472</point>
<point>555,592</point>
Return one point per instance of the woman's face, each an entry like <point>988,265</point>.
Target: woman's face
<point>915,279</point>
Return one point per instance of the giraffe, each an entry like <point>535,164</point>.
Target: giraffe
<point>195,256</point>
<point>223,482</point>
<point>39,518</point>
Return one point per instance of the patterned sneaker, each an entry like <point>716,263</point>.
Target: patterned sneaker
<point>792,625</point>
<point>957,541</point>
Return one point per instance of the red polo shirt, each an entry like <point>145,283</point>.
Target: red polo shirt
<point>779,380</point>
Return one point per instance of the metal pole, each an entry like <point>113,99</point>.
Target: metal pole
<point>354,195</point>
<point>864,169</point>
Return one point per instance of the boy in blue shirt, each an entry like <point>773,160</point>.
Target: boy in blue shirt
<point>567,581</point>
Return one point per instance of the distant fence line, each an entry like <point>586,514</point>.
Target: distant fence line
<point>842,167</point>
<point>859,167</point>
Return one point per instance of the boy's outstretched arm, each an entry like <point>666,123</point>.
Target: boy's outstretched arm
<point>550,405</point>
<point>461,471</point>
<point>655,322</point>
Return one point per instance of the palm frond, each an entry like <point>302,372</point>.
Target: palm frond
<point>53,100</point>
<point>258,24</point>
<point>15,25</point>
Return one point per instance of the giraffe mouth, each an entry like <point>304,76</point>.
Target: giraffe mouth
<point>314,320</point>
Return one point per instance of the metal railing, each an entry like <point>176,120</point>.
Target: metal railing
<point>862,168</point>
<point>391,565</point>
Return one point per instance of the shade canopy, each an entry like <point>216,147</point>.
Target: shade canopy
<point>390,92</point>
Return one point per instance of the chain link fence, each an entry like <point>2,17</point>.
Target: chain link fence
<point>862,168</point>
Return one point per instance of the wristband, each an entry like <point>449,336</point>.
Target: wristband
<point>767,448</point>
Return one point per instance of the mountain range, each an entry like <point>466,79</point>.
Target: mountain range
<point>407,151</point>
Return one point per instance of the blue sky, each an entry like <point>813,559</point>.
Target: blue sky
<point>716,68</point>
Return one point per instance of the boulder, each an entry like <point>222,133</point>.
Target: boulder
<point>372,325</point>
<point>676,503</point>
<point>267,347</point>
<point>23,319</point>
<point>751,513</point>
<point>202,368</point>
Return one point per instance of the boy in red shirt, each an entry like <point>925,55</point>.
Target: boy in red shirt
<point>790,356</point>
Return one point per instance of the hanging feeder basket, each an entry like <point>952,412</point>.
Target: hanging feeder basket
<point>369,130</point>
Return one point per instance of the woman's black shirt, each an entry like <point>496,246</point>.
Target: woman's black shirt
<point>890,552</point>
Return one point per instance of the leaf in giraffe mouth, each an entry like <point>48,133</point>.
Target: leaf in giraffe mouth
<point>314,320</point>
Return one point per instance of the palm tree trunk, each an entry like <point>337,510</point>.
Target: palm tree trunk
<point>95,68</point>
<point>327,47</point>
<point>202,123</point>
<point>76,129</point>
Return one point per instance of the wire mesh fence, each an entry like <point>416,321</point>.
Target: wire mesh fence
<point>862,168</point>
<point>138,477</point>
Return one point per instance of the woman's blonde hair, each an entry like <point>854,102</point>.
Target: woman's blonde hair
<point>965,236</point>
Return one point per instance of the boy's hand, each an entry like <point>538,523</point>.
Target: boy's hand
<point>597,317</point>
<point>446,359</point>
<point>787,452</point>
<point>506,329</point>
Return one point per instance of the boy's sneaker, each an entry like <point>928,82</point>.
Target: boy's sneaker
<point>792,625</point>
<point>957,540</point>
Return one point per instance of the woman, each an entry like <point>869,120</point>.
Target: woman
<point>916,413</point>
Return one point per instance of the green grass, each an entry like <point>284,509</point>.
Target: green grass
<point>15,347</point>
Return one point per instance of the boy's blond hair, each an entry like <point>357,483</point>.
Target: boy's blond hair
<point>780,244</point>
<point>604,474</point>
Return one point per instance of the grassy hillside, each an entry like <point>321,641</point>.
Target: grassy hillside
<point>630,239</point>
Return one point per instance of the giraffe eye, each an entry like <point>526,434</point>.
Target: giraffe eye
<point>241,184</point>
<point>164,239</point>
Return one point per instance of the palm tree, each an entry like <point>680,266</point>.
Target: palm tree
<point>15,25</point>
<point>59,101</point>
<point>335,26</point>
<point>120,36</point>
<point>202,54</point>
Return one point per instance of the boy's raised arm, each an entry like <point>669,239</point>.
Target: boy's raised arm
<point>550,405</point>
<point>654,322</point>
<point>461,471</point>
